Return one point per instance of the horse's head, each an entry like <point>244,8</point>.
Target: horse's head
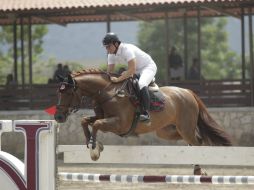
<point>68,99</point>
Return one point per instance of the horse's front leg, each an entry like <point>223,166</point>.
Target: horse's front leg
<point>106,125</point>
<point>85,122</point>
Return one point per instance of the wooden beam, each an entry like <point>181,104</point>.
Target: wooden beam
<point>134,17</point>
<point>199,33</point>
<point>185,40</point>
<point>243,44</point>
<point>108,23</point>
<point>251,56</point>
<point>50,20</point>
<point>22,52</point>
<point>221,11</point>
<point>30,58</point>
<point>167,64</point>
<point>15,52</point>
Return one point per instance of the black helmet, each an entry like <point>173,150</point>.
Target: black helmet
<point>110,38</point>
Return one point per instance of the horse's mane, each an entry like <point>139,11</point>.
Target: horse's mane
<point>91,71</point>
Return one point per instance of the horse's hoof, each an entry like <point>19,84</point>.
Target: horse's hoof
<point>94,152</point>
<point>199,171</point>
<point>203,173</point>
<point>95,158</point>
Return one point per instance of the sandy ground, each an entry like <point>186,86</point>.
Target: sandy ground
<point>148,170</point>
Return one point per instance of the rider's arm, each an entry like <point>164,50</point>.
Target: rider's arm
<point>129,55</point>
<point>130,71</point>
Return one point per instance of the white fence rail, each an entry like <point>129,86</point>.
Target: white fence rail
<point>179,155</point>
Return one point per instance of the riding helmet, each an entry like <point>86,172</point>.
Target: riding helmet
<point>110,38</point>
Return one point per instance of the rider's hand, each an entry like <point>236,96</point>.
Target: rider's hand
<point>114,79</point>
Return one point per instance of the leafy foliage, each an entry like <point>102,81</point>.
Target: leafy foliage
<point>6,52</point>
<point>217,61</point>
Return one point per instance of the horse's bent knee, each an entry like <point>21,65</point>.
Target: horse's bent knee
<point>97,124</point>
<point>85,121</point>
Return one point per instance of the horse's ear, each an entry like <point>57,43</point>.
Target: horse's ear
<point>60,78</point>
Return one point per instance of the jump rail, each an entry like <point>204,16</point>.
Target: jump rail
<point>176,155</point>
<point>171,179</point>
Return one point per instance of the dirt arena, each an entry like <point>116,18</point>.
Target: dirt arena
<point>148,170</point>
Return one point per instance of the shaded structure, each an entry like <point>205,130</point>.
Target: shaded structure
<point>62,12</point>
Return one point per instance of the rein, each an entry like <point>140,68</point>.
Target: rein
<point>75,108</point>
<point>99,92</point>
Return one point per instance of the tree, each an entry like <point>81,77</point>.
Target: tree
<point>217,59</point>
<point>6,52</point>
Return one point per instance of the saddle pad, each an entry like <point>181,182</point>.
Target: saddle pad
<point>157,101</point>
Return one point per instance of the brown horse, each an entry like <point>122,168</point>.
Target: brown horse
<point>183,117</point>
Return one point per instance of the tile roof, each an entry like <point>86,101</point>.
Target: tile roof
<point>67,11</point>
<point>18,5</point>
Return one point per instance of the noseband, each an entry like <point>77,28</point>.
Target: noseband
<point>71,108</point>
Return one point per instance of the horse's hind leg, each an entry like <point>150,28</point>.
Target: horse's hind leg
<point>168,133</point>
<point>189,132</point>
<point>187,127</point>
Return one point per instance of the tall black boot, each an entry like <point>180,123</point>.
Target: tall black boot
<point>145,100</point>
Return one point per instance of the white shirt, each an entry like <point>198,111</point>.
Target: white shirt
<point>127,52</point>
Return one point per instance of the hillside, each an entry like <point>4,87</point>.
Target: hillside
<point>82,42</point>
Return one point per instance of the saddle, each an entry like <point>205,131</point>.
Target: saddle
<point>157,99</point>
<point>131,88</point>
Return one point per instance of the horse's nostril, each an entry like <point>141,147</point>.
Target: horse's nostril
<point>59,117</point>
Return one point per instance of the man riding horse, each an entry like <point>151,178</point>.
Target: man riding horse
<point>184,115</point>
<point>138,62</point>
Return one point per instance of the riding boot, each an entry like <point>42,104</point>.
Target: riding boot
<point>145,100</point>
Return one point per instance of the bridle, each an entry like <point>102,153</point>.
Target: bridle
<point>71,108</point>
<point>93,95</point>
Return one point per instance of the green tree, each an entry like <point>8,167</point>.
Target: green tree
<point>217,61</point>
<point>44,70</point>
<point>6,52</point>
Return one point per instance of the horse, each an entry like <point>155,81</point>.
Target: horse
<point>184,115</point>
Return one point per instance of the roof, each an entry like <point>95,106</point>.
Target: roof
<point>65,11</point>
<point>14,5</point>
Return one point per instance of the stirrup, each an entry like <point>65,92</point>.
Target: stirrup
<point>145,117</point>
<point>120,93</point>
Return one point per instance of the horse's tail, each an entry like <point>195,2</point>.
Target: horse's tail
<point>210,132</point>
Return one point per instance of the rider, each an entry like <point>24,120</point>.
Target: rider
<point>138,62</point>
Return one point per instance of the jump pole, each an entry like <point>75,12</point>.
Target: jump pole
<point>169,179</point>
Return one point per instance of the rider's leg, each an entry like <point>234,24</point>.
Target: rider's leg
<point>145,101</point>
<point>146,76</point>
